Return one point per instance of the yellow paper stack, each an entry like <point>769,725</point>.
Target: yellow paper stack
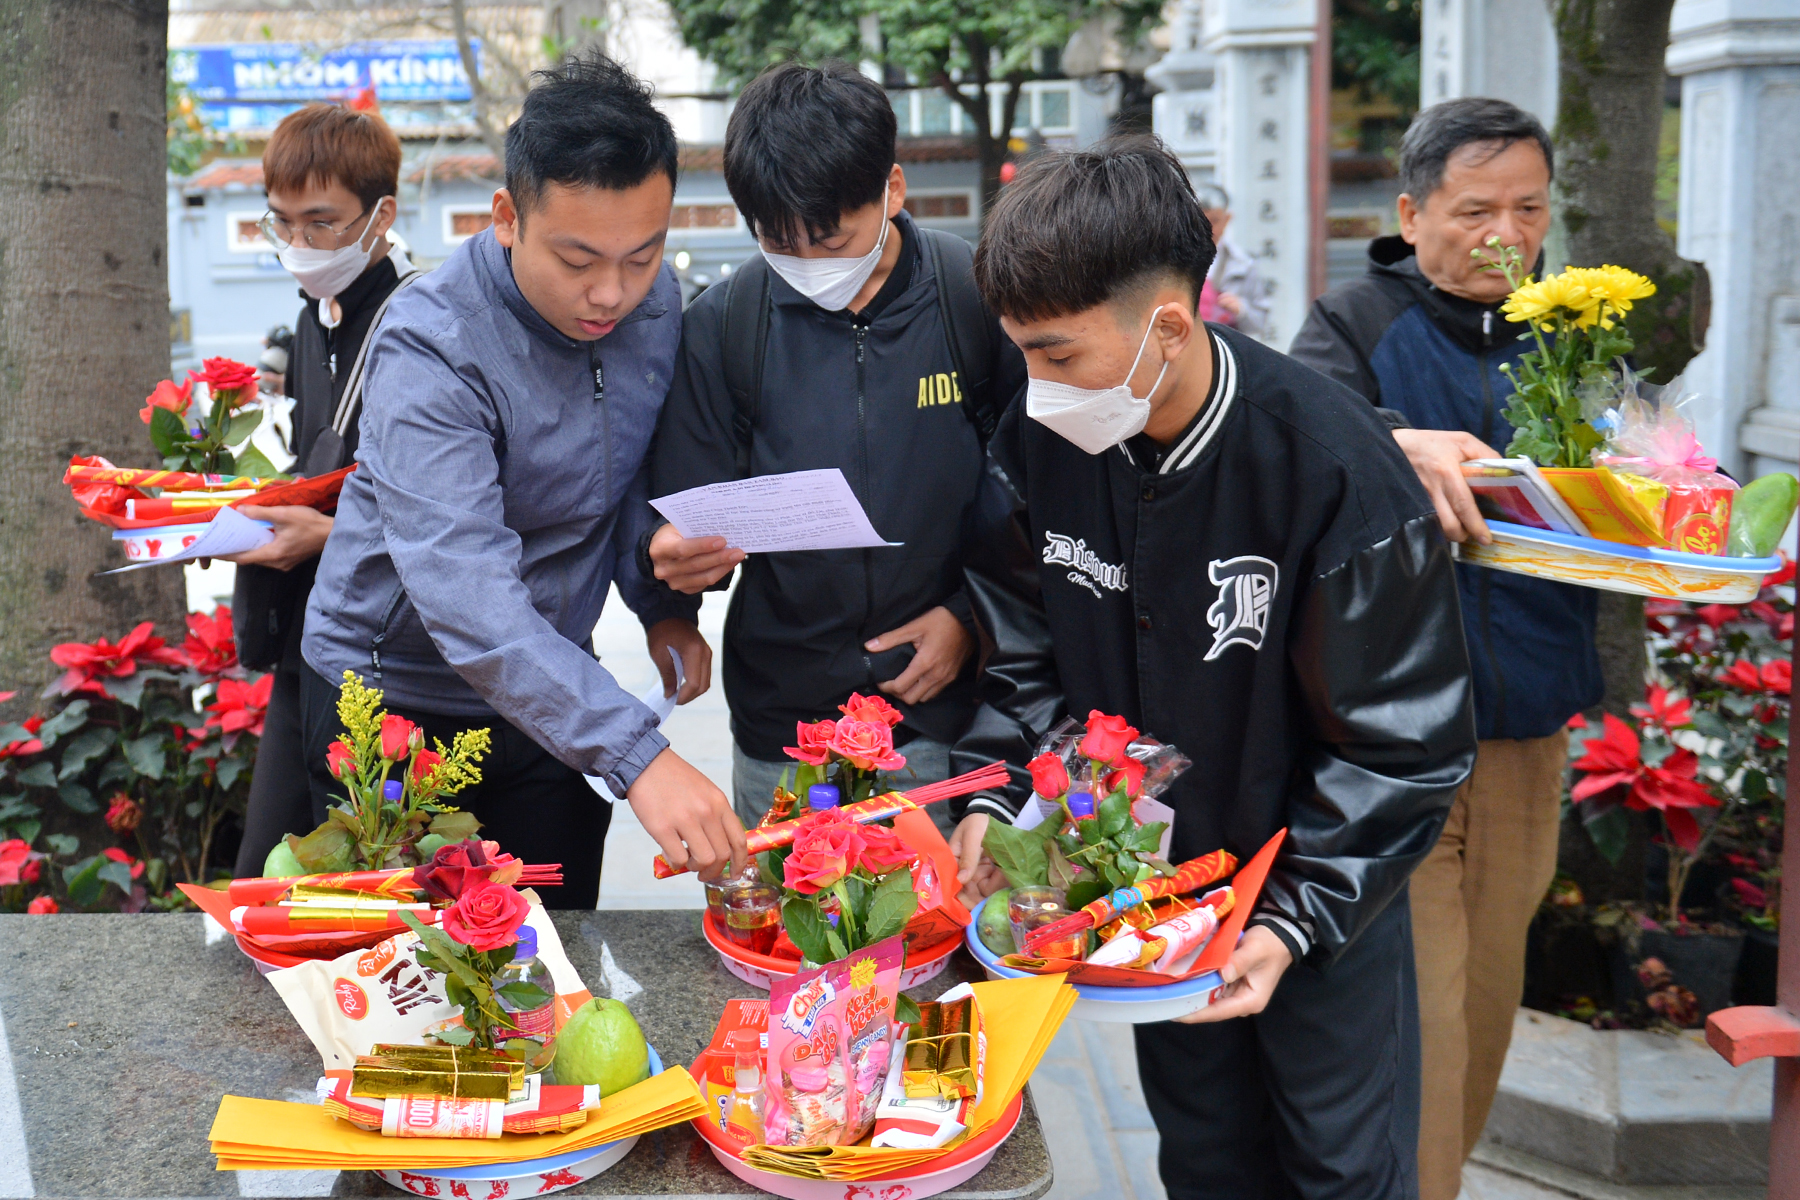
<point>276,1135</point>
<point>1026,1015</point>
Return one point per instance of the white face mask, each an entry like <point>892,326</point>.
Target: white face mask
<point>325,273</point>
<point>832,283</point>
<point>1095,420</point>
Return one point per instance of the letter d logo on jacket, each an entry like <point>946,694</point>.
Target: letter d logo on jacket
<point>1240,615</point>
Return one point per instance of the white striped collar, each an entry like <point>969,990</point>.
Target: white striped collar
<point>1198,435</point>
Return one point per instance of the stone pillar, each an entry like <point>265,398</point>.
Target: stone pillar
<point>1500,48</point>
<point>1185,113</point>
<point>1263,51</point>
<point>1739,63</point>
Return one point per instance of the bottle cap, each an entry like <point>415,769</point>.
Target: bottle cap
<point>392,790</point>
<point>821,796</point>
<point>526,946</point>
<point>1081,804</point>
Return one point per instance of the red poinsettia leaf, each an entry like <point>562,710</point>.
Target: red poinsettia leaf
<point>1683,828</point>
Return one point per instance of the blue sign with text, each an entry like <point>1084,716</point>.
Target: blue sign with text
<point>403,69</point>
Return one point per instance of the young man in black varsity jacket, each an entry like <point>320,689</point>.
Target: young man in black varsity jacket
<point>1230,551</point>
<point>856,340</point>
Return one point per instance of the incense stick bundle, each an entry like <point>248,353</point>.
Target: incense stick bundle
<point>1190,876</point>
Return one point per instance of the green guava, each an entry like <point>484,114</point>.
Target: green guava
<point>993,927</point>
<point>602,1044</point>
<point>281,863</point>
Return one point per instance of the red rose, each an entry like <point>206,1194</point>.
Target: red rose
<point>826,848</point>
<point>230,382</point>
<point>486,917</point>
<point>423,763</point>
<point>866,745</point>
<point>339,760</point>
<point>43,904</point>
<point>882,850</point>
<point>167,395</point>
<point>456,868</point>
<point>1106,737</point>
<point>123,815</point>
<point>1127,773</point>
<point>1049,778</point>
<point>870,708</point>
<point>396,736</point>
<point>815,742</point>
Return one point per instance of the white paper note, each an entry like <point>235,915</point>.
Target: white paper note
<point>801,510</point>
<point>229,532</point>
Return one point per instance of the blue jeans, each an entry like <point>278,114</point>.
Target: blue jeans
<point>753,780</point>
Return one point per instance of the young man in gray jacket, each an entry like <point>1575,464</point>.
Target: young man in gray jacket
<point>500,490</point>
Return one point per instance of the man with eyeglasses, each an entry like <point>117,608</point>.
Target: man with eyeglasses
<point>331,174</point>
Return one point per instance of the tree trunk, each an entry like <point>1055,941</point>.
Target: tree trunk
<point>84,312</point>
<point>492,135</point>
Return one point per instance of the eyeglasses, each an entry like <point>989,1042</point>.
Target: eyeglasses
<point>319,235</point>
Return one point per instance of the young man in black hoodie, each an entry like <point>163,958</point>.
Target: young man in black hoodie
<point>856,340</point>
<point>1231,552</point>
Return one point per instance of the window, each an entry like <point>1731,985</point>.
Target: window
<point>243,233</point>
<point>934,113</point>
<point>703,216</point>
<point>940,206</point>
<point>1053,108</point>
<point>194,200</point>
<point>464,221</point>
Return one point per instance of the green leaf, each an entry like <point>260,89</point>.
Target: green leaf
<point>838,949</point>
<point>807,928</point>
<point>1061,872</point>
<point>1709,724</point>
<point>13,732</point>
<point>83,880</point>
<point>156,872</point>
<point>892,907</point>
<point>1115,813</point>
<point>429,845</point>
<point>1084,892</point>
<point>456,1035</point>
<point>146,755</point>
<point>1160,866</point>
<point>78,798</point>
<point>62,843</point>
<point>1147,838</point>
<point>251,461</point>
<point>327,848</point>
<point>40,774</point>
<point>117,874</point>
<point>167,433</point>
<point>1019,853</point>
<point>906,1010</point>
<point>239,426</point>
<point>113,770</point>
<point>1610,831</point>
<point>768,867</point>
<point>1089,830</point>
<point>84,748</point>
<point>455,826</point>
<point>227,771</point>
<point>68,720</point>
<point>128,691</point>
<point>524,995</point>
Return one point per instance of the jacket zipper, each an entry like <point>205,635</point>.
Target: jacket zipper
<point>862,455</point>
<point>381,631</point>
<point>1485,592</point>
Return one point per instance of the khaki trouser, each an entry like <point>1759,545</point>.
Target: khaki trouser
<point>1472,899</point>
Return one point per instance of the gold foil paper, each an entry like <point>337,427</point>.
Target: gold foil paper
<point>940,1051</point>
<point>437,1071</point>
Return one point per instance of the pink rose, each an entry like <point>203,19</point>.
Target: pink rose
<point>866,745</point>
<point>815,742</point>
<point>486,917</point>
<point>883,850</point>
<point>870,708</point>
<point>827,847</point>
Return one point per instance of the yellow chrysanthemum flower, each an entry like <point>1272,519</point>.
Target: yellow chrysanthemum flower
<point>1543,301</point>
<point>1615,288</point>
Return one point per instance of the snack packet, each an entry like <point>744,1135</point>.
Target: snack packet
<point>925,1123</point>
<point>830,1041</point>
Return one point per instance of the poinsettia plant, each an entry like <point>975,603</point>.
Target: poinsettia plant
<point>853,751</point>
<point>388,819</point>
<point>157,737</point>
<point>846,885</point>
<point>476,941</point>
<point>190,439</point>
<point>1089,843</point>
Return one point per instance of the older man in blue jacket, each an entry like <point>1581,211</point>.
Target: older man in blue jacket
<point>501,489</point>
<point>1421,336</point>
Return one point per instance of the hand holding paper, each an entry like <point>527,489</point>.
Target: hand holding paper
<point>801,510</point>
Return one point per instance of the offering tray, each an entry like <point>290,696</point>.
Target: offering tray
<point>1115,1005</point>
<point>1617,567</point>
<point>760,970</point>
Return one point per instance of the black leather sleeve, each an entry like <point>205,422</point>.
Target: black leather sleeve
<point>1378,649</point>
<point>1020,689</point>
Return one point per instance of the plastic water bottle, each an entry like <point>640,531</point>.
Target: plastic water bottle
<point>536,1024</point>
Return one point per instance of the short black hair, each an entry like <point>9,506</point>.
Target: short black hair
<point>587,122</point>
<point>805,145</point>
<point>1444,128</point>
<point>1079,228</point>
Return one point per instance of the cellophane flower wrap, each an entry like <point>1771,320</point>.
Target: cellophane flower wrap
<point>1652,451</point>
<point>830,1039</point>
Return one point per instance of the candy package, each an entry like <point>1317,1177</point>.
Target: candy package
<point>830,1041</point>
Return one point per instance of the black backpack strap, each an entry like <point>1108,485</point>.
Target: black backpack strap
<point>967,327</point>
<point>746,338</point>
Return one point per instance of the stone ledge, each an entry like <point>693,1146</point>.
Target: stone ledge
<point>1541,1178</point>
<point>1628,1107</point>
